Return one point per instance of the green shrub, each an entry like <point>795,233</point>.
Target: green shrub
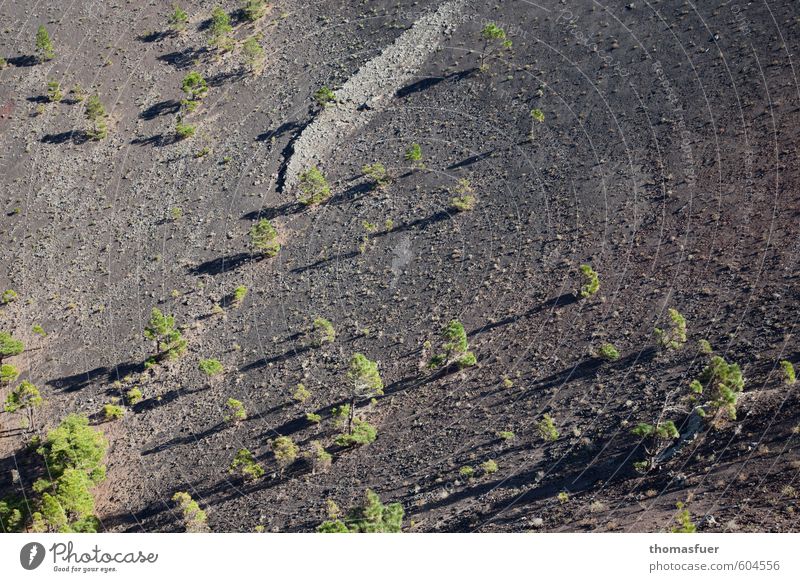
<point>371,517</point>
<point>184,130</point>
<point>608,352</point>
<point>684,520</point>
<point>44,46</point>
<point>320,458</point>
<point>377,174</point>
<point>414,155</point>
<point>324,96</point>
<point>8,374</point>
<point>133,396</point>
<point>194,518</point>
<point>96,115</point>
<point>3,65</point>
<point>54,94</point>
<point>340,415</point>
<point>506,435</point>
<point>24,399</point>
<point>591,282</point>
<point>9,295</point>
<point>313,418</point>
<point>464,203</point>
<point>178,19</point>
<point>169,341</point>
<point>235,411</point>
<point>493,37</point>
<point>239,294</point>
<point>301,393</point>
<point>285,451</point>
<point>254,9</point>
<point>696,387</point>
<point>113,412</point>
<point>722,383</point>
<point>789,376</point>
<point>9,346</point>
<point>314,187</point>
<point>263,238</point>
<point>455,348</point>
<point>253,53</point>
<point>489,467</point>
<point>675,337</point>
<point>39,330</point>
<point>466,472</point>
<point>705,347</point>
<point>361,433</point>
<point>537,115</point>
<point>73,444</point>
<point>244,463</point>
<point>12,514</point>
<point>547,428</point>
<point>211,367</point>
<point>364,377</point>
<point>219,30</point>
<point>322,332</point>
<point>195,87</point>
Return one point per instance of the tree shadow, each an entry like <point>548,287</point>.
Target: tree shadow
<point>102,374</point>
<point>284,128</point>
<point>182,59</point>
<point>156,36</point>
<point>221,78</point>
<point>222,264</point>
<point>158,141</point>
<point>263,362</point>
<point>429,82</point>
<point>23,61</point>
<point>472,160</point>
<point>186,440</point>
<point>275,211</point>
<point>76,136</point>
<point>41,99</point>
<point>168,107</point>
<point>166,398</point>
<point>562,300</point>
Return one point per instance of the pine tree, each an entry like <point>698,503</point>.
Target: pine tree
<point>44,46</point>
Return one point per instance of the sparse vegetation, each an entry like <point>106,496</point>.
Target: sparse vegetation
<point>608,352</point>
<point>658,437</point>
<point>9,346</point>
<point>547,428</point>
<point>245,465</point>
<point>194,518</point>
<point>54,94</point>
<point>371,517</point>
<point>591,282</point>
<point>178,19</point>
<point>464,199</point>
<point>789,376</point>
<point>8,374</point>
<point>285,451</point>
<point>169,341</point>
<point>377,174</point>
<point>234,411</point>
<point>466,472</point>
<point>361,433</point>
<point>184,130</point>
<point>112,412</point>
<point>320,458</point>
<point>684,520</point>
<point>314,187</point>
<point>25,399</point>
<point>253,54</point>
<point>211,367</point>
<point>97,117</point>
<point>414,155</point>
<point>263,239</point>
<point>9,296</point>
<point>133,396</point>
<point>238,295</point>
<point>322,332</point>
<point>455,348</point>
<point>44,46</point>
<point>324,96</point>
<point>722,384</point>
<point>494,37</point>
<point>254,9</point>
<point>195,87</point>
<point>219,30</point>
<point>675,337</point>
<point>489,467</point>
<point>301,394</point>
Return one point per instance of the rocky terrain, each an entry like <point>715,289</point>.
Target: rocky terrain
<point>665,157</point>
